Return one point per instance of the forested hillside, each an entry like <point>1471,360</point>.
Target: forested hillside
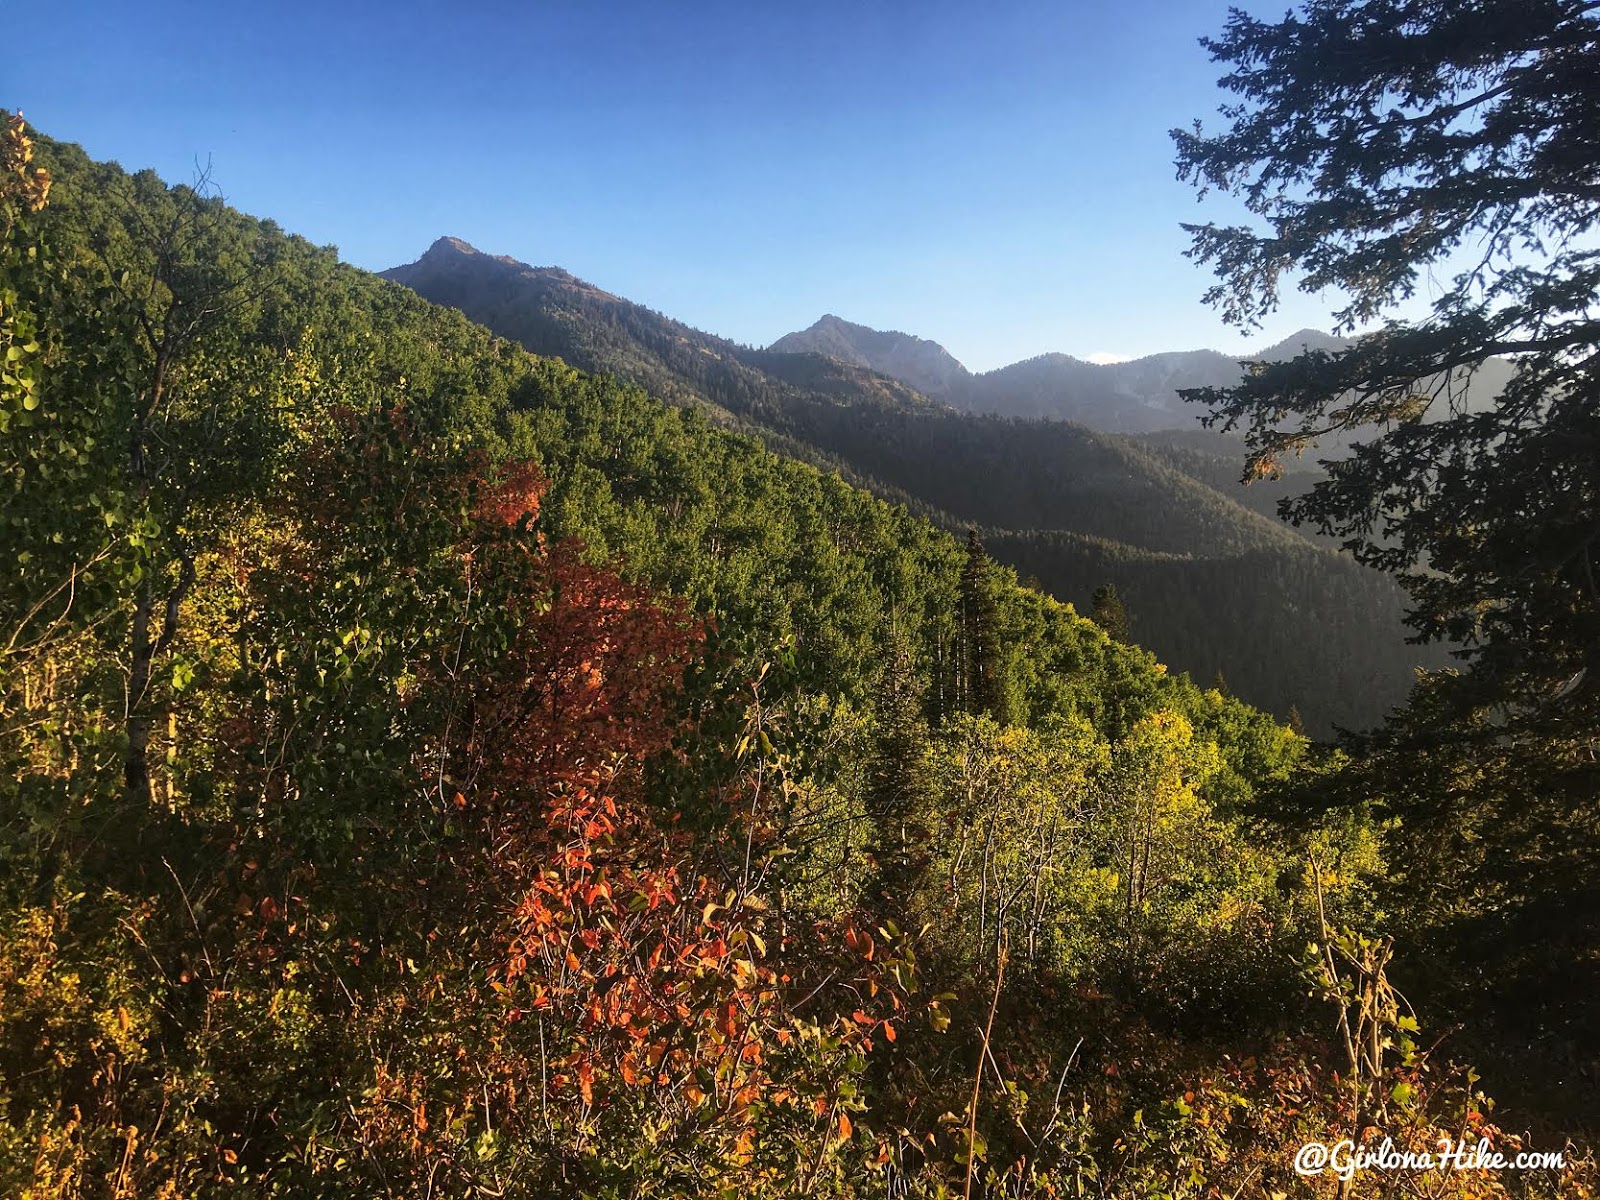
<point>1031,483</point>
<point>430,770</point>
<point>1173,593</point>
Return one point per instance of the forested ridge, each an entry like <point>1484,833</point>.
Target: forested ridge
<point>434,770</point>
<point>1006,475</point>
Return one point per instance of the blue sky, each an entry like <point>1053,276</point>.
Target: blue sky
<point>995,176</point>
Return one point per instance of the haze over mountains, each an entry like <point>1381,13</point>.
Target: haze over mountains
<point>1214,581</point>
<point>1139,395</point>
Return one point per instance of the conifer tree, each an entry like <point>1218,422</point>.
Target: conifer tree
<point>898,774</point>
<point>1377,145</point>
<point>1107,611</point>
<point>981,688</point>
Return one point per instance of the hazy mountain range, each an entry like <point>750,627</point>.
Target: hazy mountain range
<point>1130,490</point>
<point>1136,396</point>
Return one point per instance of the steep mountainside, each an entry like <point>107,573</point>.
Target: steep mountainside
<point>1213,459</point>
<point>1179,596</point>
<point>553,312</point>
<point>1028,484</point>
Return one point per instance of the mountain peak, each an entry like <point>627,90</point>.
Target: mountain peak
<point>451,246</point>
<point>447,250</point>
<point>924,365</point>
<point>1300,341</point>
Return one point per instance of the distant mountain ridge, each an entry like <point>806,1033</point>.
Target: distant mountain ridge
<point>1137,396</point>
<point>555,313</point>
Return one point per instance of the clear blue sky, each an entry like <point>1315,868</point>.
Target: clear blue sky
<point>995,176</point>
